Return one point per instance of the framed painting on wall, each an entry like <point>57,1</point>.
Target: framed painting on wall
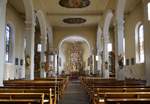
<point>16,61</point>
<point>127,62</point>
<point>132,61</point>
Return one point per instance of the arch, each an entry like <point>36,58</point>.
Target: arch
<point>50,36</point>
<point>74,36</point>
<point>99,34</point>
<point>42,22</point>
<point>137,27</point>
<point>43,27</point>
<point>107,22</point>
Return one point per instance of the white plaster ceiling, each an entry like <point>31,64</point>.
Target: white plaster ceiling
<point>56,13</point>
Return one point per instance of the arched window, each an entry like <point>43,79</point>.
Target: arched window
<point>139,39</point>
<point>9,44</point>
<point>148,10</point>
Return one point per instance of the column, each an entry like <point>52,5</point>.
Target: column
<point>119,48</point>
<point>43,61</point>
<point>2,39</point>
<point>119,27</point>
<point>99,49</point>
<point>106,41</point>
<point>29,52</point>
<point>105,56</point>
<point>146,42</point>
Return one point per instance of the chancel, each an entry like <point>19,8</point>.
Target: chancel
<point>74,51</point>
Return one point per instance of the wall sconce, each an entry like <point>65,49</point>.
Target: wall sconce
<point>97,57</point>
<point>39,47</point>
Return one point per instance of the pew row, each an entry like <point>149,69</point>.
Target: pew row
<point>95,86</point>
<point>122,98</point>
<point>25,98</point>
<point>48,94</point>
<point>56,84</point>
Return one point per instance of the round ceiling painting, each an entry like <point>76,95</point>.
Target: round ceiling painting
<point>74,20</point>
<point>74,3</point>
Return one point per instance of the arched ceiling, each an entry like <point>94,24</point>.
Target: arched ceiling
<point>55,13</point>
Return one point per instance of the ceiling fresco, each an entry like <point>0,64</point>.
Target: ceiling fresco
<point>74,3</point>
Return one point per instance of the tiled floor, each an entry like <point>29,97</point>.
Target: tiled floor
<point>74,94</point>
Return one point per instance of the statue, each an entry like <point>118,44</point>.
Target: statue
<point>27,61</point>
<point>106,70</point>
<point>121,75</point>
<point>120,61</point>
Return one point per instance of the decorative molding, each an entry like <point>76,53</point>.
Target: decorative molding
<point>74,3</point>
<point>74,20</point>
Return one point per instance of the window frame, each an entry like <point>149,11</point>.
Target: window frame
<point>138,43</point>
<point>9,43</point>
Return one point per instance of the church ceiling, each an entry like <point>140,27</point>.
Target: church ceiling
<point>93,11</point>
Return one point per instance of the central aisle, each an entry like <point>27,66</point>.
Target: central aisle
<point>74,94</point>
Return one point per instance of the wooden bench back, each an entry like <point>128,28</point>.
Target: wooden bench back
<point>22,98</point>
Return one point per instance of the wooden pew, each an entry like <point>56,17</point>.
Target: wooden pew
<point>34,84</point>
<point>64,80</point>
<point>95,86</point>
<point>17,98</point>
<point>97,91</point>
<point>56,84</point>
<point>47,93</point>
<point>91,83</point>
<point>122,98</point>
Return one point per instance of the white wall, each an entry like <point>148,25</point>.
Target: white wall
<point>133,71</point>
<point>15,19</point>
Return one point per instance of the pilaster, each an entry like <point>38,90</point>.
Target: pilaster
<point>2,39</point>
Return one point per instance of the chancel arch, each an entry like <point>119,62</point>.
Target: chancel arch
<point>73,53</point>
